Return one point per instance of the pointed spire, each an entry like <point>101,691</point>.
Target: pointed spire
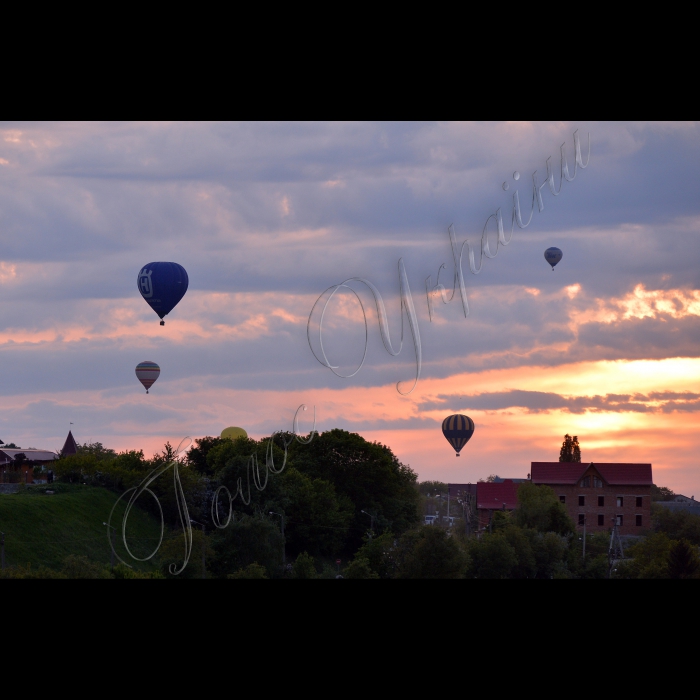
<point>70,447</point>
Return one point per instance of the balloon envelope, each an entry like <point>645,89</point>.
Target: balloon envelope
<point>553,256</point>
<point>162,285</point>
<point>232,433</point>
<point>458,430</point>
<point>147,372</point>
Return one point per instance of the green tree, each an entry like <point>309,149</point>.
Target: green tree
<point>172,552</point>
<point>253,570</point>
<point>96,449</point>
<point>661,493</point>
<point>359,567</point>
<point>570,449</point>
<point>81,567</point>
<point>304,566</point>
<point>247,540</point>
<point>683,560</point>
<point>539,508</point>
<point>491,557</point>
<point>381,553</point>
<point>368,474</point>
<point>648,558</point>
<point>429,553</point>
<point>677,524</point>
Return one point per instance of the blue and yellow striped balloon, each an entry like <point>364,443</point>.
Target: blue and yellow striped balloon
<point>147,372</point>
<point>458,430</point>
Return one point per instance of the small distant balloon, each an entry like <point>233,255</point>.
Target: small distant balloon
<point>162,285</point>
<point>233,433</point>
<point>458,430</point>
<point>553,256</point>
<point>147,373</point>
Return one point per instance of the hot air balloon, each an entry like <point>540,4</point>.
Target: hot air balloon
<point>147,373</point>
<point>458,430</point>
<point>232,433</point>
<point>553,256</point>
<point>162,285</point>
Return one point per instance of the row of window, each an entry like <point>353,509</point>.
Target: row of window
<point>619,520</point>
<point>620,501</point>
<point>586,482</point>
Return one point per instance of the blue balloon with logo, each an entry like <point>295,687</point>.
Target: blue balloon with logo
<point>553,256</point>
<point>162,285</point>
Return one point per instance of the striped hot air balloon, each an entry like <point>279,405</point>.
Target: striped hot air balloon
<point>147,372</point>
<point>458,430</point>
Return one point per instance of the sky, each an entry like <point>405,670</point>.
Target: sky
<point>265,216</point>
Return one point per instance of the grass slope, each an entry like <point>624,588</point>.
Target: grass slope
<point>42,529</point>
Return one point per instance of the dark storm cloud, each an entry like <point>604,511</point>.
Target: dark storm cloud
<point>540,402</point>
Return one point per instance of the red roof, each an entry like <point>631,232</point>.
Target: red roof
<point>614,473</point>
<point>491,496</point>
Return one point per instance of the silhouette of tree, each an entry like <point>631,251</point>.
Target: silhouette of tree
<point>570,449</point>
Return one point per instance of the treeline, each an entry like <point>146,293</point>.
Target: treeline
<point>331,493</point>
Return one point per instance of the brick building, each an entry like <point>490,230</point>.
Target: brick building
<point>601,493</point>
<point>491,496</point>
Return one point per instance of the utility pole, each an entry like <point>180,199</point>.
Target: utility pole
<point>615,551</point>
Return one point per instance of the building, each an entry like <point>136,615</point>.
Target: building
<point>601,494</point>
<point>13,472</point>
<point>493,496</point>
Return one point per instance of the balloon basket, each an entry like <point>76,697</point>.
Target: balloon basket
<point>162,323</point>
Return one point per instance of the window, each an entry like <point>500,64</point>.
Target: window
<point>619,520</point>
<point>601,520</point>
<point>581,519</point>
<point>639,503</point>
<point>620,501</point>
<point>586,482</point>
<point>601,501</point>
<point>562,499</point>
<point>582,500</point>
<point>597,482</point>
<point>638,520</point>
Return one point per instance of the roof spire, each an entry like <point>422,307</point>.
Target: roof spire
<point>70,447</point>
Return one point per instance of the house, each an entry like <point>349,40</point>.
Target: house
<point>496,495</point>
<point>13,472</point>
<point>601,494</point>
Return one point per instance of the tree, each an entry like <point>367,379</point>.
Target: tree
<point>683,560</point>
<point>20,459</point>
<point>570,449</point>
<point>247,540</point>
<point>661,493</point>
<point>429,553</point>
<point>677,524</point>
<point>359,568</point>
<point>368,474</point>
<point>97,449</point>
<point>304,566</point>
<point>253,570</point>
<point>539,508</point>
<point>491,557</point>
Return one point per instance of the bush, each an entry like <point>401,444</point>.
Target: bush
<point>253,570</point>
<point>359,568</point>
<point>304,566</point>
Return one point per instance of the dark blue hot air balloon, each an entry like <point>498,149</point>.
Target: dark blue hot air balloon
<point>458,430</point>
<point>162,285</point>
<point>553,256</point>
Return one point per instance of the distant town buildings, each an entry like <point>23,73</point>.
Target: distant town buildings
<point>17,465</point>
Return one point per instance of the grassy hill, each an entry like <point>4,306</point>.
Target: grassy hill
<point>42,529</point>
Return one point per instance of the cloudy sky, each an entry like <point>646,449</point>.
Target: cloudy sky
<point>266,216</point>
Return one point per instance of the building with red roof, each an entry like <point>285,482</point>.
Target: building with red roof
<point>492,496</point>
<point>600,494</point>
